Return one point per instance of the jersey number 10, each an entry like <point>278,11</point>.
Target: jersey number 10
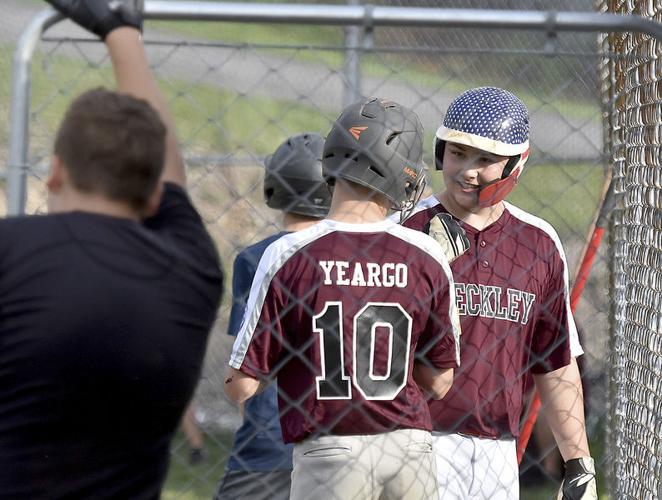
<point>334,383</point>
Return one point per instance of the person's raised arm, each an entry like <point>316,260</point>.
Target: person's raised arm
<point>120,30</point>
<point>134,76</point>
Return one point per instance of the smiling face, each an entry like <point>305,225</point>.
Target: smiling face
<point>467,169</point>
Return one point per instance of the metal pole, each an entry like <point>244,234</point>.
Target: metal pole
<point>20,110</point>
<point>352,66</point>
<point>551,21</point>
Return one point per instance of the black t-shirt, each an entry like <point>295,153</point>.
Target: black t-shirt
<point>103,328</point>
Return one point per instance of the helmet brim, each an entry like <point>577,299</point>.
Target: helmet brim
<point>482,143</point>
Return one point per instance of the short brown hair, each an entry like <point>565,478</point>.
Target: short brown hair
<point>113,144</point>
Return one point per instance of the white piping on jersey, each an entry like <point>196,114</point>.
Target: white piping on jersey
<point>273,258</point>
<point>575,347</point>
<point>281,250</point>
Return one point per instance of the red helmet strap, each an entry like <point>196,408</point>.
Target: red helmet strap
<point>496,191</point>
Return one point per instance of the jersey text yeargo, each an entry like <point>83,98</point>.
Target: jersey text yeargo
<point>389,274</point>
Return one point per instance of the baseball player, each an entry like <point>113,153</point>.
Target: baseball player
<point>356,318</point>
<point>260,464</point>
<point>106,303</point>
<point>512,296</point>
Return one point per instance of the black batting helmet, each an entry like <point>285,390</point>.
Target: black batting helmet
<point>378,144</point>
<point>293,179</point>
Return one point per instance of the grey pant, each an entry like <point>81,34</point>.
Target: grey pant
<point>244,485</point>
<point>391,466</point>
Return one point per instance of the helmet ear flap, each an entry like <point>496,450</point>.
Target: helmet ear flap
<point>438,153</point>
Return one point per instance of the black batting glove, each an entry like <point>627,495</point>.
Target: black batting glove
<point>449,234</point>
<point>101,16</point>
<point>579,480</point>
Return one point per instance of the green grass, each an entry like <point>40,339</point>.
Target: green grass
<point>193,482</point>
<point>213,120</point>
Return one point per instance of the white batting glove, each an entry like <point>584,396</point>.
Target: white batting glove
<point>449,234</point>
<point>579,480</point>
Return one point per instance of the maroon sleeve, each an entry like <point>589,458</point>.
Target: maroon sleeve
<point>437,342</point>
<point>259,347</point>
<point>551,341</point>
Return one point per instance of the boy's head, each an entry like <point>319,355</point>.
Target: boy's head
<point>378,144</point>
<point>293,180</point>
<point>489,127</point>
<point>111,145</point>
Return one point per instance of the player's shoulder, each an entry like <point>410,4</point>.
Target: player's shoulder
<point>536,226</point>
<point>252,253</point>
<point>289,245</point>
<point>418,240</point>
<point>423,212</point>
<point>281,249</point>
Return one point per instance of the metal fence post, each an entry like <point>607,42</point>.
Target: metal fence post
<point>352,65</point>
<point>17,167</point>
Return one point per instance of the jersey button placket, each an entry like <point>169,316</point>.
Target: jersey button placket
<point>483,263</point>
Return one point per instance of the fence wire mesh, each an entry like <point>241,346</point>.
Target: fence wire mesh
<point>635,89</point>
<point>238,92</point>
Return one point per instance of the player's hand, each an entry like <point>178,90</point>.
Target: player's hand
<point>579,480</point>
<point>101,16</point>
<point>449,234</point>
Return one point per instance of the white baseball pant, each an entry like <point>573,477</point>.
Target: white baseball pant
<point>472,468</point>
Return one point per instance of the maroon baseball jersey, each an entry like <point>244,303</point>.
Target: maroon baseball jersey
<point>511,289</point>
<point>339,312</point>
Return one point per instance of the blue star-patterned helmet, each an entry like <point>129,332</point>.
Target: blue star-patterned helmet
<point>493,120</point>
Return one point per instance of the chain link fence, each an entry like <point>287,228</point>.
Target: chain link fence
<point>237,91</point>
<point>634,87</point>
